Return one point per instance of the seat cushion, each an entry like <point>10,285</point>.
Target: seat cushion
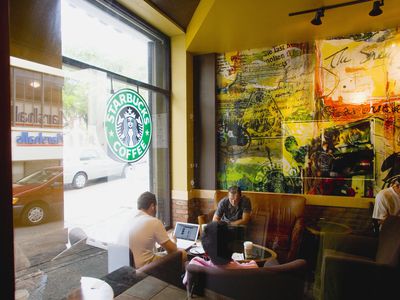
<point>278,240</point>
<point>273,218</point>
<point>389,242</point>
<point>255,229</point>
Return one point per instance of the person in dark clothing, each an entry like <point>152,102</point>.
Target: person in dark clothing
<point>234,209</point>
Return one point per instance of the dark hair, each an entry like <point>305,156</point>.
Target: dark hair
<point>217,240</point>
<point>145,200</point>
<point>235,190</point>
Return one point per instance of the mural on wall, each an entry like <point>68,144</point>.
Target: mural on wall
<point>257,91</point>
<point>310,118</point>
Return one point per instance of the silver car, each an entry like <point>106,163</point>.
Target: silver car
<point>91,164</point>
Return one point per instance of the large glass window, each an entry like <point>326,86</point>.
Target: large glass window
<point>122,47</point>
<point>73,192</point>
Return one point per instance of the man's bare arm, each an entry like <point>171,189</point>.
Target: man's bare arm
<point>169,246</point>
<point>216,218</point>
<point>244,220</point>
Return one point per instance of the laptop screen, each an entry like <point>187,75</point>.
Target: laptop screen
<point>186,231</point>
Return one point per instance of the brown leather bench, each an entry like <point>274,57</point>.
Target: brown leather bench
<point>277,221</point>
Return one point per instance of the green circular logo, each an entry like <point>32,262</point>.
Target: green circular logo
<point>127,125</point>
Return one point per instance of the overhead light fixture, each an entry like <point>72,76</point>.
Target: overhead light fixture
<point>376,8</point>
<point>319,12</point>
<point>318,15</point>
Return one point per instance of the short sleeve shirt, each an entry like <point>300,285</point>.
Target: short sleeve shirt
<point>144,232</point>
<point>387,202</point>
<point>229,213</point>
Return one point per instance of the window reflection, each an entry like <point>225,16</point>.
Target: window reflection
<point>71,196</point>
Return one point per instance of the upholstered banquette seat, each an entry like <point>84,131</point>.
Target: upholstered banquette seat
<point>277,221</point>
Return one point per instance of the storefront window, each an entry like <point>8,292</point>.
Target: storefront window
<point>74,186</point>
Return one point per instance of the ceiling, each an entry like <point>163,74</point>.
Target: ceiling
<point>229,25</point>
<point>179,11</point>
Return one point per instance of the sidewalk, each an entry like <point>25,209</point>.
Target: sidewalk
<point>56,278</point>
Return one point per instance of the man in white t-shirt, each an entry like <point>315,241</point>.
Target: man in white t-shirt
<point>387,202</point>
<point>145,230</point>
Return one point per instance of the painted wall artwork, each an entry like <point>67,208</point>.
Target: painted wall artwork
<point>311,118</point>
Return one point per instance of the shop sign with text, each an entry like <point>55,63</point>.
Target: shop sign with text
<point>128,125</point>
<point>39,139</point>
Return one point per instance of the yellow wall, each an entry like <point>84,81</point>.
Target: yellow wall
<point>189,118</point>
<point>181,120</point>
<point>333,201</point>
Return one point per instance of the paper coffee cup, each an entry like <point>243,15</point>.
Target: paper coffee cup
<point>248,249</point>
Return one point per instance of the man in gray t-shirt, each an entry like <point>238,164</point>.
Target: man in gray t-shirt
<point>234,209</point>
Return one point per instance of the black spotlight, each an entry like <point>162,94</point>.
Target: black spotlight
<point>318,15</point>
<point>376,9</point>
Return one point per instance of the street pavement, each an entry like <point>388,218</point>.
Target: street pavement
<point>49,261</point>
<point>54,269</point>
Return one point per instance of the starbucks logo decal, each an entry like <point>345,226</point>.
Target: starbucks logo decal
<point>127,125</point>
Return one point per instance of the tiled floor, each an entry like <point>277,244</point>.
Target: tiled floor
<point>154,289</point>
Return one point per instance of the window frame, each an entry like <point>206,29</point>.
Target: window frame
<point>121,13</point>
<point>7,228</point>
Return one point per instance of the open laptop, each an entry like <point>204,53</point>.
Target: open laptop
<point>186,234</point>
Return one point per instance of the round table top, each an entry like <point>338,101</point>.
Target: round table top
<point>92,289</point>
<point>323,226</point>
<point>260,253</point>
